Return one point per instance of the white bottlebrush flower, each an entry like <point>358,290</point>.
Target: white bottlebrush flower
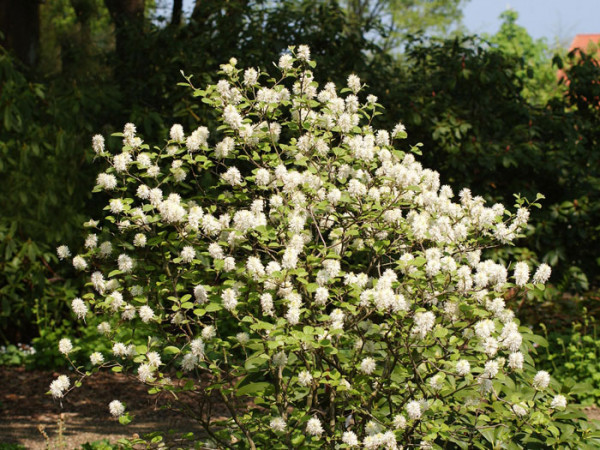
<point>91,241</point>
<point>189,362</point>
<point>65,346</point>
<point>98,143</point>
<point>436,382</point>
<point>120,349</point>
<point>121,161</point>
<point>285,62</point>
<point>321,295</point>
<point>106,249</point>
<point>154,359</point>
<point>63,252</point>
<point>197,139</point>
<point>116,408</point>
<point>303,53</point>
<point>305,378</point>
<point>96,358</point>
<point>128,312</point>
<point>145,372</point>
<point>59,386</point>
<point>200,294</point>
<point>368,366</point>
<point>491,369</point>
<point>125,263</point>
<point>116,205</point>
<point>400,422</point>
<point>463,367</point>
<point>103,328</point>
<point>354,83</point>
<point>350,438</point>
<point>398,129</point>
<point>484,328</point>
<point>280,359</point>
<point>232,117</point>
<point>229,264</point>
<point>314,427</point>
<point>242,338</point>
<point>197,346</point>
<point>139,240</point>
<point>106,181</point>
<point>263,177</point>
<point>143,192</point>
<point>413,409</point>
<point>116,300</point>
<point>521,273</point>
<point>250,76</point>
<point>146,313</point>
<point>490,346</point>
<point>79,263</point>
<point>542,274</point>
<point>176,133</point>
<point>423,323</point>
<point>153,171</point>
<point>229,298</point>
<point>266,304</point>
<point>208,332</point>
<point>515,361</point>
<point>187,254</point>
<point>519,409</point>
<point>232,176</point>
<point>277,424</point>
<point>255,267</point>
<point>541,380</point>
<point>79,308</point>
<point>216,251</point>
<point>559,402</point>
<point>144,161</point>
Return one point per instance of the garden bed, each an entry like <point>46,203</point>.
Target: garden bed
<point>25,408</point>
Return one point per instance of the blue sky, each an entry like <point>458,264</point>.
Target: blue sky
<point>552,19</point>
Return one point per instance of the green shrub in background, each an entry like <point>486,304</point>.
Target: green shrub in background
<point>40,179</point>
<point>573,350</point>
<point>295,259</point>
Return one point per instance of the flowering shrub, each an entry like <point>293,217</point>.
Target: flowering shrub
<point>298,268</point>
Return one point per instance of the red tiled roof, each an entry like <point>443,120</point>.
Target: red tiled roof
<point>582,41</point>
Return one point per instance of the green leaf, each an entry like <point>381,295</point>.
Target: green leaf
<point>171,350</point>
<point>252,388</point>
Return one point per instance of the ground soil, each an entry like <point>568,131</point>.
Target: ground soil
<point>31,418</point>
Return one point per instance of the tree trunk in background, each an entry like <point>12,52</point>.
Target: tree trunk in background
<point>176,13</point>
<point>128,17</point>
<point>20,25</point>
<point>85,11</point>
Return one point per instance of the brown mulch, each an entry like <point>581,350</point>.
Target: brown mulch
<point>25,408</point>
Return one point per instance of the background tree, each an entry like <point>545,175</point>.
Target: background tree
<point>538,73</point>
<point>396,19</point>
<point>20,27</point>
